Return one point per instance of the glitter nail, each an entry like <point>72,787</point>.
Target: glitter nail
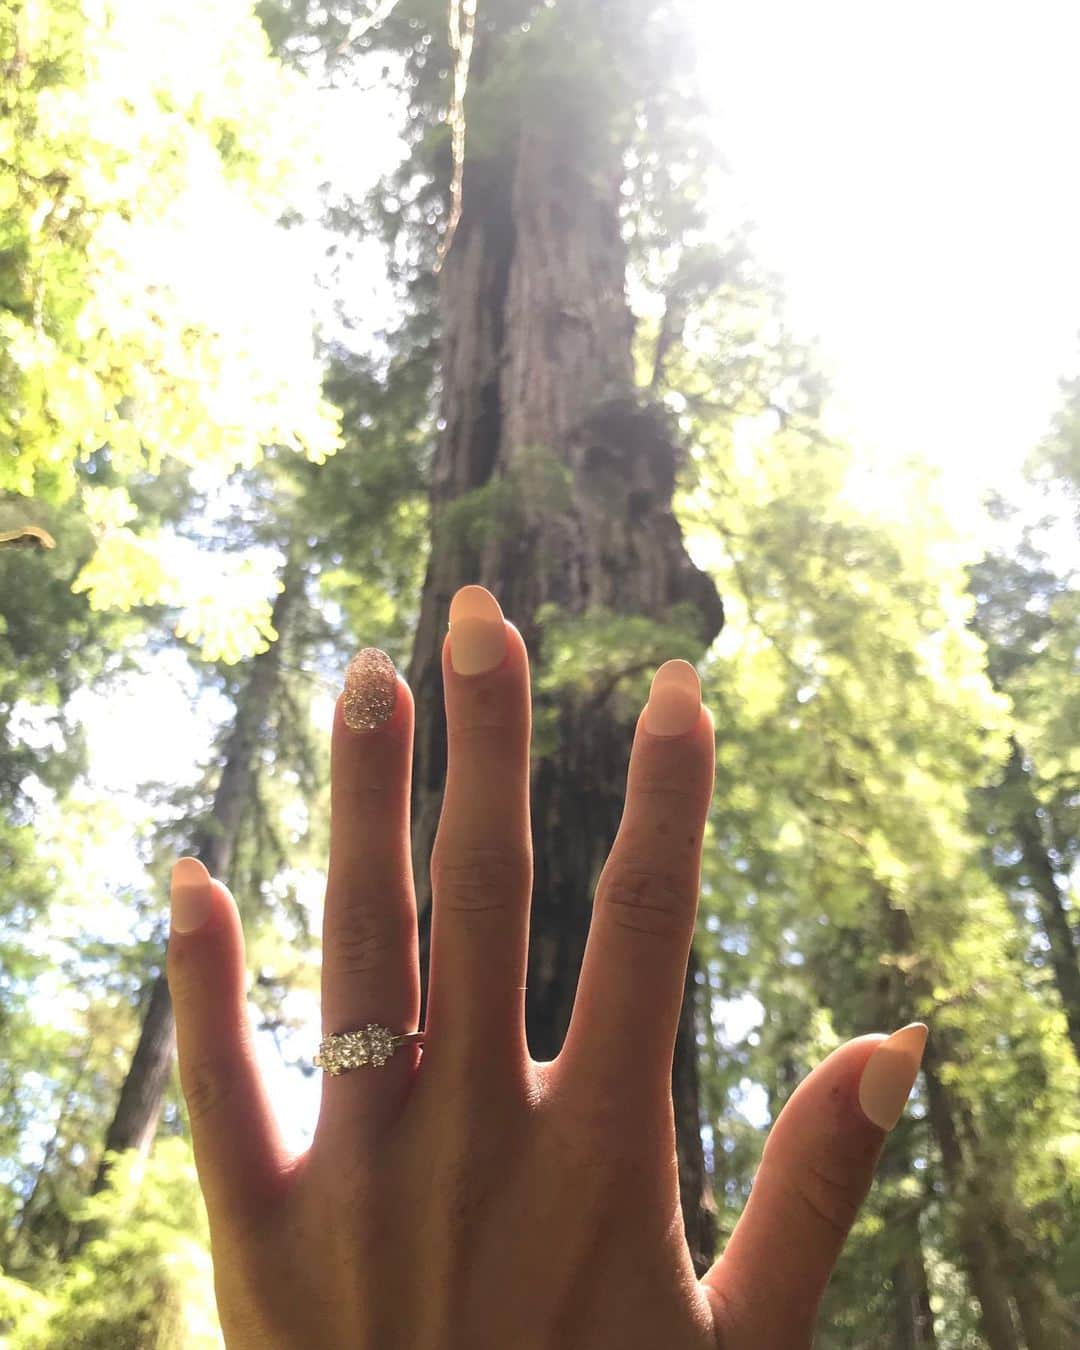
<point>370,690</point>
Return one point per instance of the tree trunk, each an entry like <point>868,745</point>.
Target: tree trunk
<point>142,1094</point>
<point>24,1223</point>
<point>974,1205</point>
<point>914,1326</point>
<point>987,1280</point>
<point>913,1317</point>
<point>137,1111</point>
<point>536,356</point>
<point>1037,1302</point>
<point>1064,946</point>
<point>1045,1318</point>
<point>997,1229</point>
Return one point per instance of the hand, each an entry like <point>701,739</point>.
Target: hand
<point>463,1195</point>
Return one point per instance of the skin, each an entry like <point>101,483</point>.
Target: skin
<point>464,1195</point>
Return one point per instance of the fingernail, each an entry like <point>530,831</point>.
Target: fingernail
<point>477,631</point>
<point>674,699</point>
<point>370,690</point>
<point>889,1075</point>
<point>190,895</point>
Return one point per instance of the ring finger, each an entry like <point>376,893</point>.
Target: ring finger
<point>370,970</point>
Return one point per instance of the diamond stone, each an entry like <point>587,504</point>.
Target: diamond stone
<point>373,1044</point>
<point>380,1044</point>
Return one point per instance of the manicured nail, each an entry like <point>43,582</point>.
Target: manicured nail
<point>889,1075</point>
<point>477,631</point>
<point>190,895</point>
<point>370,690</point>
<point>674,699</point>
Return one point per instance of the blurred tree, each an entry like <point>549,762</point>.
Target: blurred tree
<point>134,329</point>
<point>146,1283</point>
<point>844,891</point>
<point>354,544</point>
<point>1029,616</point>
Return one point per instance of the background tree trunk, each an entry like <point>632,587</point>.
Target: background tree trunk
<point>972,1222</point>
<point>138,1109</point>
<point>21,1239</point>
<point>911,1294</point>
<point>536,357</point>
<point>913,1317</point>
<point>1030,837</point>
<point>897,993</point>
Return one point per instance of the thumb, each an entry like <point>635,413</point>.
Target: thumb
<point>239,1153</point>
<point>815,1172</point>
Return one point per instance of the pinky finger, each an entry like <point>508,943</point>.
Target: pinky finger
<point>239,1153</point>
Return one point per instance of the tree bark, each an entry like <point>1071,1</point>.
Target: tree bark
<point>1045,1325</point>
<point>914,1326</point>
<point>1045,1318</point>
<point>142,1093</point>
<point>22,1232</point>
<point>1064,946</point>
<point>997,1239</point>
<point>974,1206</point>
<point>536,337</point>
<point>987,1280</point>
<point>139,1107</point>
<point>913,1317</point>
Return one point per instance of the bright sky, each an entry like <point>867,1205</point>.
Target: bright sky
<point>911,172</point>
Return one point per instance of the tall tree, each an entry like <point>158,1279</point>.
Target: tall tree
<point>114,341</point>
<point>1028,613</point>
<point>355,543</point>
<point>553,475</point>
<point>214,843</point>
<point>855,718</point>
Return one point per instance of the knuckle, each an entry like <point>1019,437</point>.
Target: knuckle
<point>645,899</point>
<point>663,790</point>
<point>832,1198</point>
<point>364,941</point>
<point>208,1083</point>
<point>487,730</point>
<point>477,879</point>
<point>185,973</point>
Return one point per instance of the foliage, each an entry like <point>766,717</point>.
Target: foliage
<point>1055,462</point>
<point>146,1283</point>
<point>138,202</point>
<point>855,721</point>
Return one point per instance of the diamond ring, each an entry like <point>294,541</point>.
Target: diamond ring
<point>372,1044</point>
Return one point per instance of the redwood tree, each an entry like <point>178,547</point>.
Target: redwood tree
<point>553,475</point>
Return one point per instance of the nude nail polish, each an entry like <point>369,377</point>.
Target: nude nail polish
<point>370,690</point>
<point>477,631</point>
<point>674,700</point>
<point>890,1074</point>
<point>190,897</point>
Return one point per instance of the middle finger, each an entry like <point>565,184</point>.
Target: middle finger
<point>481,860</point>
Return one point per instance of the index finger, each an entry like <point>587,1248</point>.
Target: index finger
<point>626,1014</point>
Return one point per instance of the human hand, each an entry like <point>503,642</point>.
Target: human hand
<point>463,1195</point>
